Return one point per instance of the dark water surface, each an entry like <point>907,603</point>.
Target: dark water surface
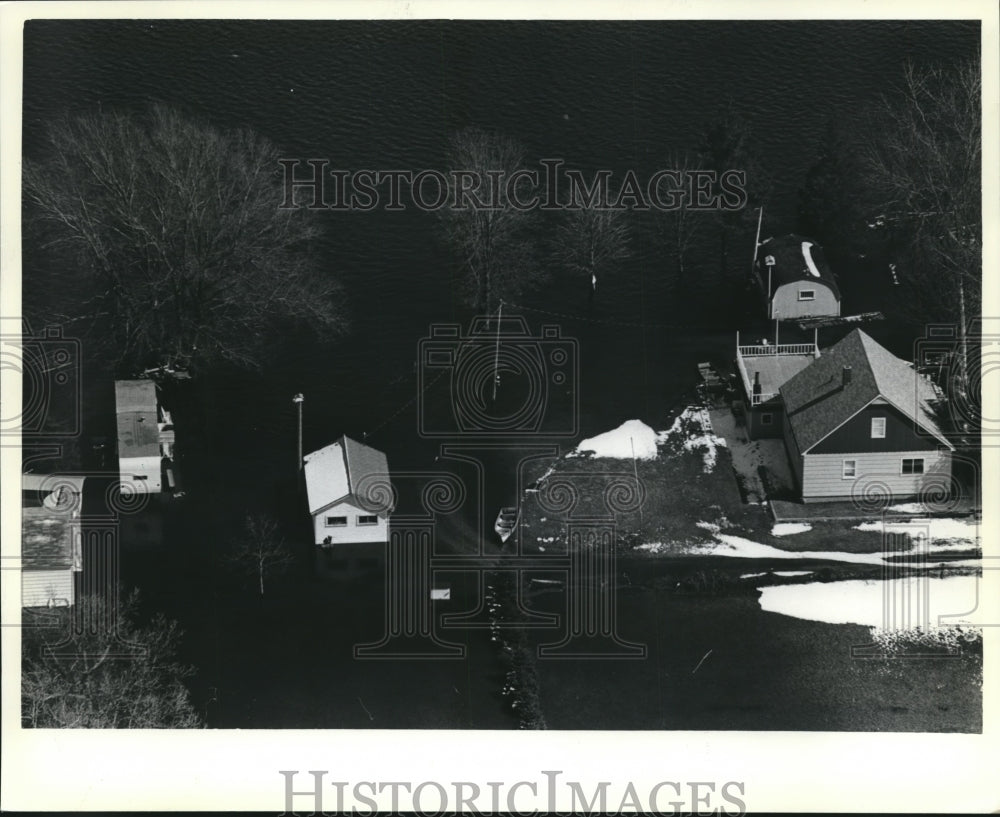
<point>387,95</point>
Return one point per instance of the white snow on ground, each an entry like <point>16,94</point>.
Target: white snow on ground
<point>618,443</point>
<point>860,601</point>
<point>740,548</point>
<point>704,439</point>
<point>711,527</point>
<point>788,528</point>
<point>938,528</point>
<point>907,507</point>
<point>806,246</point>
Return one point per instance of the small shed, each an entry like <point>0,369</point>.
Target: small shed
<point>795,279</point>
<point>51,547</point>
<point>349,494</point>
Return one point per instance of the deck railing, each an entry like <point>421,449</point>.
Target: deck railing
<point>782,349</point>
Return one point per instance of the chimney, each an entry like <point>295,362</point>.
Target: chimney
<point>756,382</point>
<point>846,378</point>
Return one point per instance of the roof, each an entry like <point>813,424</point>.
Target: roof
<point>340,470</point>
<point>795,259</point>
<point>49,522</point>
<point>817,402</point>
<point>135,405</point>
<point>135,395</point>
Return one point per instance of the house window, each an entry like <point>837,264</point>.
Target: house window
<point>914,466</point>
<point>139,478</point>
<point>878,428</point>
<point>336,521</point>
<point>767,419</point>
<point>367,520</point>
<point>850,469</point>
<point>807,294</point>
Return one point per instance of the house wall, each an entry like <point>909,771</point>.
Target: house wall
<point>150,467</point>
<point>785,302</point>
<point>855,434</point>
<point>792,449</point>
<point>352,531</point>
<point>756,429</point>
<point>40,588</point>
<point>875,473</point>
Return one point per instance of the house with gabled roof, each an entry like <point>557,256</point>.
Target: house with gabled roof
<point>51,539</point>
<point>349,494</point>
<point>795,279</point>
<point>859,418</point>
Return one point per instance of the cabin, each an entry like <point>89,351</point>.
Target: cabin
<point>857,419</point>
<point>763,368</point>
<point>51,539</point>
<point>145,437</point>
<point>795,279</point>
<point>348,491</point>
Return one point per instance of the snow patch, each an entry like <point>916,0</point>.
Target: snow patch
<point>862,601</point>
<point>807,255</point>
<point>695,427</point>
<point>788,528</point>
<point>619,443</point>
<point>937,529</point>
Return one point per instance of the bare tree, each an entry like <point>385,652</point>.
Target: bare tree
<point>679,228</point>
<point>923,163</point>
<point>481,224</point>
<point>178,225</point>
<point>96,668</point>
<point>590,241</point>
<point>261,551</point>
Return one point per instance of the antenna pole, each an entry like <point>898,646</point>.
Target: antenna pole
<point>496,356</point>
<point>756,243</point>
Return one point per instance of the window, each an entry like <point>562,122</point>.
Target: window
<point>807,294</point>
<point>878,428</point>
<point>139,478</point>
<point>336,521</point>
<point>767,419</point>
<point>850,469</point>
<point>914,466</point>
<point>367,520</point>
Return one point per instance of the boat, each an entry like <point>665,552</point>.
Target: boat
<point>506,521</point>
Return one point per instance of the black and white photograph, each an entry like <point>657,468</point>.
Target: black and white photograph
<point>464,382</point>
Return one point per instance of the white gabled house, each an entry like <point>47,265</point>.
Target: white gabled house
<point>348,490</point>
<point>860,419</point>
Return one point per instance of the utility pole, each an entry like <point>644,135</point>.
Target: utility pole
<point>298,399</point>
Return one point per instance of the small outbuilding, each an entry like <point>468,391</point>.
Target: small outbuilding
<point>51,546</point>
<point>795,279</point>
<point>145,436</point>
<point>349,494</point>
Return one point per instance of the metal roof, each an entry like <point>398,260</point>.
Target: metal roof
<point>49,529</point>
<point>344,469</point>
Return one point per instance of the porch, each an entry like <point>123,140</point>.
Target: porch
<point>764,367</point>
